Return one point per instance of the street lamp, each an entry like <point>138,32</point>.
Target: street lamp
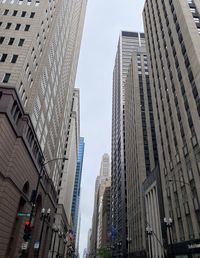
<point>129,240</point>
<point>55,230</point>
<point>168,222</point>
<point>60,235</point>
<point>65,243</point>
<point>45,215</point>
<point>33,203</point>
<point>149,232</point>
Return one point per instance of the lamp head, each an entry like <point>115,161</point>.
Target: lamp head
<point>43,211</point>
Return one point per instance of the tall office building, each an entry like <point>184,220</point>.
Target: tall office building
<point>173,39</point>
<point>93,242</point>
<point>63,218</point>
<point>40,43</point>
<point>77,185</point>
<point>141,157</point>
<point>106,219</point>
<point>102,182</point>
<point>128,41</point>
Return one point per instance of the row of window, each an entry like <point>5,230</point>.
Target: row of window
<point>11,41</point>
<point>23,13</point>
<point>20,2</point>
<point>13,59</point>
<point>18,26</point>
<point>195,14</point>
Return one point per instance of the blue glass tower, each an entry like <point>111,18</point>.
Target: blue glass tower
<point>77,184</point>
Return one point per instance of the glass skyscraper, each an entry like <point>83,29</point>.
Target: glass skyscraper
<point>77,184</point>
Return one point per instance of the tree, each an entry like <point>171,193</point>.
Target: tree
<point>104,252</point>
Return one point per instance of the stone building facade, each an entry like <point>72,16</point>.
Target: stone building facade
<point>172,34</point>
<point>20,159</point>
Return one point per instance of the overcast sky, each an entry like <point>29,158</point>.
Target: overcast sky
<point>104,20</point>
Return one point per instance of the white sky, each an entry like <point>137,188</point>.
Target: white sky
<point>104,20</point>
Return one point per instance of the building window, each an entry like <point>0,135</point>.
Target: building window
<point>8,25</point>
<point>3,58</point>
<point>6,77</point>
<point>14,13</point>
<point>21,42</point>
<point>185,150</point>
<point>2,40</point>
<point>11,41</point>
<point>17,27</point>
<point>32,15</point>
<point>194,140</point>
<point>27,27</point>
<point>14,59</point>
<point>6,12</point>
<point>23,14</point>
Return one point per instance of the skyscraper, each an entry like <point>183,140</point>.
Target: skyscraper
<point>128,41</point>
<point>106,220</point>
<point>141,150</point>
<point>172,33</point>
<point>102,182</point>
<point>77,185</point>
<point>40,43</point>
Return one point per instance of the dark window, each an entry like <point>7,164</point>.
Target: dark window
<point>11,41</point>
<point>14,59</point>
<point>21,42</point>
<point>27,27</point>
<point>17,26</point>
<point>6,12</point>
<point>6,77</point>
<point>3,58</point>
<point>23,14</point>
<point>32,15</point>
<point>14,13</point>
<point>8,25</point>
<point>1,39</point>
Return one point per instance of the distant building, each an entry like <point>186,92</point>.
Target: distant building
<point>77,184</point>
<point>106,220</point>
<point>102,182</point>
<point>63,218</point>
<point>128,41</point>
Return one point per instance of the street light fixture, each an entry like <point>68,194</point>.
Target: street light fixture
<point>65,243</point>
<point>55,230</point>
<point>45,215</point>
<point>34,198</point>
<point>60,235</point>
<point>168,222</point>
<point>149,232</point>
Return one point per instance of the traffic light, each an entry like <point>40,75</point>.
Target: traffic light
<point>27,232</point>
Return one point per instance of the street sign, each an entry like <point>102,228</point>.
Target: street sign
<point>36,244</point>
<point>23,214</point>
<point>24,246</point>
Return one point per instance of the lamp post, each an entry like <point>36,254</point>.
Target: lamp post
<point>65,243</point>
<point>129,240</point>
<point>168,222</point>
<point>60,235</point>
<point>45,215</point>
<point>149,232</point>
<point>35,192</point>
<point>55,230</point>
<point>33,200</point>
